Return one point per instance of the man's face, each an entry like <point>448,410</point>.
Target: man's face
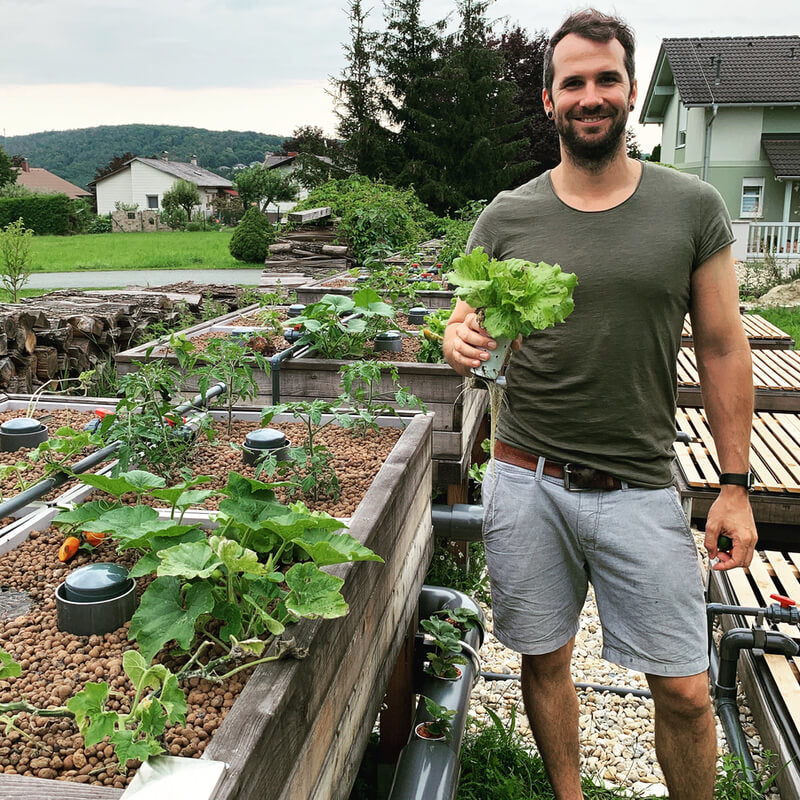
<point>590,97</point>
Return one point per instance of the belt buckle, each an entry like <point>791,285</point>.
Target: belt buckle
<point>568,479</point>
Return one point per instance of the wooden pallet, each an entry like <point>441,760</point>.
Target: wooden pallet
<point>771,572</point>
<point>776,379</point>
<point>774,461</point>
<point>761,334</point>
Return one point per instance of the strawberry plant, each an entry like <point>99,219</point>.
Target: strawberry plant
<point>447,653</point>
<point>440,722</point>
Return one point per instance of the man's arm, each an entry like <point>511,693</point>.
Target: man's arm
<point>726,380</point>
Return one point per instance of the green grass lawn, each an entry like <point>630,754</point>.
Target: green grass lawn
<point>787,319</point>
<point>161,250</point>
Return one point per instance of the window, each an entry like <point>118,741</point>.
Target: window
<point>683,114</point>
<point>152,201</point>
<point>752,197</point>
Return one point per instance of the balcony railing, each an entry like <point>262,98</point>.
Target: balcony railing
<point>777,239</point>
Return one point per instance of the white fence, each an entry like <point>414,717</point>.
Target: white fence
<point>778,239</point>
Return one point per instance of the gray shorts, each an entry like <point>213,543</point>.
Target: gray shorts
<point>545,543</point>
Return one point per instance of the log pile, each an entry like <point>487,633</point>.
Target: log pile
<point>310,251</point>
<point>64,333</point>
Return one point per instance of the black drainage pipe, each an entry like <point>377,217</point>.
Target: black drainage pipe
<point>429,770</point>
<point>731,644</point>
<point>595,687</point>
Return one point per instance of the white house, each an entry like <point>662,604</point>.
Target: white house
<point>287,164</point>
<point>143,181</point>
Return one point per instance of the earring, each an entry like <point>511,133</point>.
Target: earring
<point>549,115</point>
<point>630,107</point>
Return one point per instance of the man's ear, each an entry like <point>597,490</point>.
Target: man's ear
<point>634,93</point>
<point>547,102</point>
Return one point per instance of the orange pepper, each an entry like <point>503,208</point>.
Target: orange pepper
<point>68,548</point>
<point>94,538</point>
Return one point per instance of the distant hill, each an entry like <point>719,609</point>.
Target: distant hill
<point>75,155</point>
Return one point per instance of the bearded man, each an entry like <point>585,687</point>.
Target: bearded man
<point>583,489</point>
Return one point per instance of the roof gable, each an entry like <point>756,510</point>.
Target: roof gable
<point>746,69</point>
<point>38,179</point>
<point>188,172</point>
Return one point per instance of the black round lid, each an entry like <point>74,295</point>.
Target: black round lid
<point>21,425</point>
<point>362,278</point>
<point>418,310</point>
<point>265,439</point>
<point>296,309</point>
<point>388,336</point>
<point>95,582</point>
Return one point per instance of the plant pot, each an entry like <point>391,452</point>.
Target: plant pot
<point>493,366</point>
<point>424,736</point>
<point>443,678</point>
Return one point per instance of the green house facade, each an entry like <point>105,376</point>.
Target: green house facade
<point>729,110</point>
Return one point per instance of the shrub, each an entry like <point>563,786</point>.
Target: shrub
<point>253,236</point>
<point>194,227</point>
<point>42,213</point>
<point>15,257</point>
<point>374,215</point>
<point>99,224</point>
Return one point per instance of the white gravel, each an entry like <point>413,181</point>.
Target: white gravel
<point>616,732</point>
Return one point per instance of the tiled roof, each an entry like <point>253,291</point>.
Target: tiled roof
<point>41,180</point>
<point>784,155</point>
<point>189,172</point>
<point>740,69</point>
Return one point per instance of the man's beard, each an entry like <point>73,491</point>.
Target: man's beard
<point>592,154</point>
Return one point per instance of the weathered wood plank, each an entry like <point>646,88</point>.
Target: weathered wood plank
<point>309,215</point>
<point>19,787</point>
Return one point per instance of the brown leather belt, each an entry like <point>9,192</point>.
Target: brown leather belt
<point>575,476</point>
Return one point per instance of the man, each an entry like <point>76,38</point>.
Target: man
<point>583,489</point>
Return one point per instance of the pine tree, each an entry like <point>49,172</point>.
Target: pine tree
<point>465,142</point>
<point>356,99</point>
<point>8,173</point>
<point>523,65</point>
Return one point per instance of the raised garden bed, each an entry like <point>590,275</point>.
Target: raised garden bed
<point>459,409</point>
<point>761,334</point>
<point>344,284</point>
<point>316,712</point>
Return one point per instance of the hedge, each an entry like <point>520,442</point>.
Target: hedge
<point>45,214</point>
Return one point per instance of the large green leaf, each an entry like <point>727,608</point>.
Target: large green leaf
<point>136,526</point>
<point>188,560</point>
<point>181,494</point>
<point>91,717</point>
<point>8,667</point>
<point>298,520</point>
<point>86,512</point>
<point>163,615</point>
<point>235,557</point>
<point>327,548</point>
<point>231,615</point>
<point>128,748</point>
<point>136,480</point>
<point>314,593</point>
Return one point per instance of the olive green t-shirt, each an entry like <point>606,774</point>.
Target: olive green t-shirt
<point>601,388</point>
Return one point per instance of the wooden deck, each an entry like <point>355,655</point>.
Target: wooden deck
<point>774,461</point>
<point>771,682</point>
<point>761,333</point>
<point>776,379</point>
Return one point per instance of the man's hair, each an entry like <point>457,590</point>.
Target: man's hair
<point>594,25</point>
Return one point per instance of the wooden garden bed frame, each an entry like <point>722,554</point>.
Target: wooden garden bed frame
<point>774,461</point>
<point>314,292</point>
<point>761,334</point>
<point>299,728</point>
<point>770,572</point>
<point>776,379</point>
<point>459,407</point>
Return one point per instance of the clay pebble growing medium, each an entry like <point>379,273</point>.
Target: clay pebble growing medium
<point>617,733</point>
<point>53,418</point>
<point>57,665</point>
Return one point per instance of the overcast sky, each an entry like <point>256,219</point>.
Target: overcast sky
<point>261,65</point>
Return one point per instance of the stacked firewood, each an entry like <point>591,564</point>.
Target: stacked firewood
<point>65,333</point>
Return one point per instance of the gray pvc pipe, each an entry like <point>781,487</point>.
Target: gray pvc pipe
<point>459,521</point>
<point>275,369</point>
<point>429,770</point>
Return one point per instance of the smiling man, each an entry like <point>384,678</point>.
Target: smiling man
<point>583,489</point>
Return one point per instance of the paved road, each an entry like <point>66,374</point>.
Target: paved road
<point>141,277</point>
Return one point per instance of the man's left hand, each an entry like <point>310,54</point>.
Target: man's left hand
<point>731,515</point>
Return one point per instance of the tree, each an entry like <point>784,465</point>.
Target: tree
<point>260,186</point>
<point>15,250</point>
<point>632,144</point>
<point>117,162</point>
<point>252,237</point>
<point>523,64</point>
<point>355,97</point>
<point>466,139</point>
<point>310,139</point>
<point>183,194</point>
<point>8,173</point>
<point>656,154</point>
